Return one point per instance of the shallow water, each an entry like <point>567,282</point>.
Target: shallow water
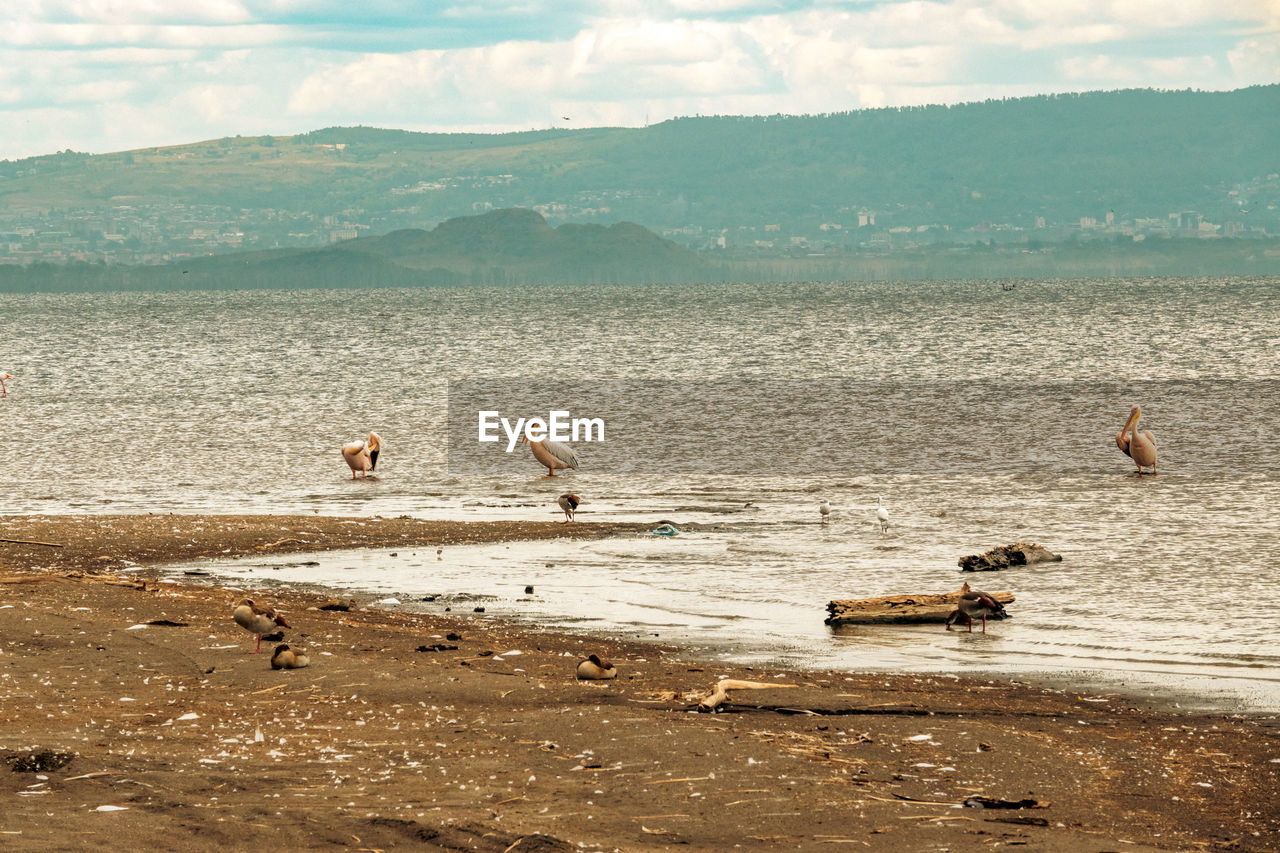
<point>979,415</point>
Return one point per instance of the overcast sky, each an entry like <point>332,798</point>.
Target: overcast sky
<point>110,75</point>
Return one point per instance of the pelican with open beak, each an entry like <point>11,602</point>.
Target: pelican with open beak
<point>553,454</point>
<point>362,456</point>
<point>1138,446</point>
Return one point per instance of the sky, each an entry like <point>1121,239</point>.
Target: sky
<point>112,75</point>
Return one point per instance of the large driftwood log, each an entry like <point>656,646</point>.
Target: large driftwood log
<point>1017,554</point>
<point>899,609</point>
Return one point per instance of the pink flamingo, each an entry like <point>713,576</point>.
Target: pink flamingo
<point>4,392</point>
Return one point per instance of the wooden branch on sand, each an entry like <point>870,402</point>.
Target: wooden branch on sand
<point>32,542</point>
<point>899,609</point>
<point>721,692</point>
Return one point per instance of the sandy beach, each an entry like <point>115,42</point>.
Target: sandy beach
<point>135,714</point>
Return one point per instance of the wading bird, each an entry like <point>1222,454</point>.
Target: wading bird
<point>1138,446</point>
<point>824,509</point>
<point>257,620</point>
<point>569,503</point>
<point>882,516</point>
<point>3,376</point>
<point>552,454</point>
<point>362,456</point>
<point>974,603</point>
<point>594,669</point>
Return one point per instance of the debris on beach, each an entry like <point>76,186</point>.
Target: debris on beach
<point>1017,554</point>
<point>40,761</point>
<point>719,694</point>
<point>920,609</point>
<point>980,802</point>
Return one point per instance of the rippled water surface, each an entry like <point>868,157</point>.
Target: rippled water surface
<point>979,415</point>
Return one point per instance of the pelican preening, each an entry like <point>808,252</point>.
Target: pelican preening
<point>362,456</point>
<point>1138,446</point>
<point>882,516</point>
<point>552,454</point>
<point>569,503</point>
<point>974,603</point>
<point>594,669</point>
<point>3,376</point>
<point>257,620</point>
<point>824,509</point>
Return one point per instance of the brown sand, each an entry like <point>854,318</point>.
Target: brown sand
<point>380,744</point>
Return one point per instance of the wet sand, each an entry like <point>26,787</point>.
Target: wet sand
<point>401,735</point>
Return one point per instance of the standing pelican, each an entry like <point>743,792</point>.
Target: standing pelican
<point>257,620</point>
<point>974,603</point>
<point>552,454</point>
<point>1138,446</point>
<point>3,376</point>
<point>882,516</point>
<point>362,456</point>
<point>824,509</point>
<point>569,503</point>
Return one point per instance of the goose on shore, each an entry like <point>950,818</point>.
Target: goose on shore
<point>257,620</point>
<point>594,669</point>
<point>286,657</point>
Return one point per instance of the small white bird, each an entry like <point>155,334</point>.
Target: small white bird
<point>825,509</point>
<point>569,503</point>
<point>362,456</point>
<point>882,516</point>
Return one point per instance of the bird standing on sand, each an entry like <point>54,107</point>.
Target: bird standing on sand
<point>257,620</point>
<point>594,669</point>
<point>569,503</point>
<point>362,456</point>
<point>1138,446</point>
<point>552,454</point>
<point>3,376</point>
<point>882,516</point>
<point>975,603</point>
<point>824,509</point>
<point>285,657</point>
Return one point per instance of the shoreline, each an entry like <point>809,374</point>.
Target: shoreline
<point>387,742</point>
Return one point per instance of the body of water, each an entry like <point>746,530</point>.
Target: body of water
<point>978,414</point>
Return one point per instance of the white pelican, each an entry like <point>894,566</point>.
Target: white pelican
<point>594,669</point>
<point>257,620</point>
<point>882,516</point>
<point>552,454</point>
<point>3,376</point>
<point>362,456</point>
<point>974,603</point>
<point>824,509</point>
<point>1138,446</point>
<point>569,503</point>
<point>285,657</point>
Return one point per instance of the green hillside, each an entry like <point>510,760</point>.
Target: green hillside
<point>1138,153</point>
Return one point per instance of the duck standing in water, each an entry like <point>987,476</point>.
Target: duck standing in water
<point>975,603</point>
<point>569,503</point>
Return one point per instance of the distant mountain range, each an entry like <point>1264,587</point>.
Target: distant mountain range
<point>1057,158</point>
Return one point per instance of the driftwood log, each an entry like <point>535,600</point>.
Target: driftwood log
<point>899,609</point>
<point>1017,554</point>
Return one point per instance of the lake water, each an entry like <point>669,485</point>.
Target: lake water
<point>979,414</point>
